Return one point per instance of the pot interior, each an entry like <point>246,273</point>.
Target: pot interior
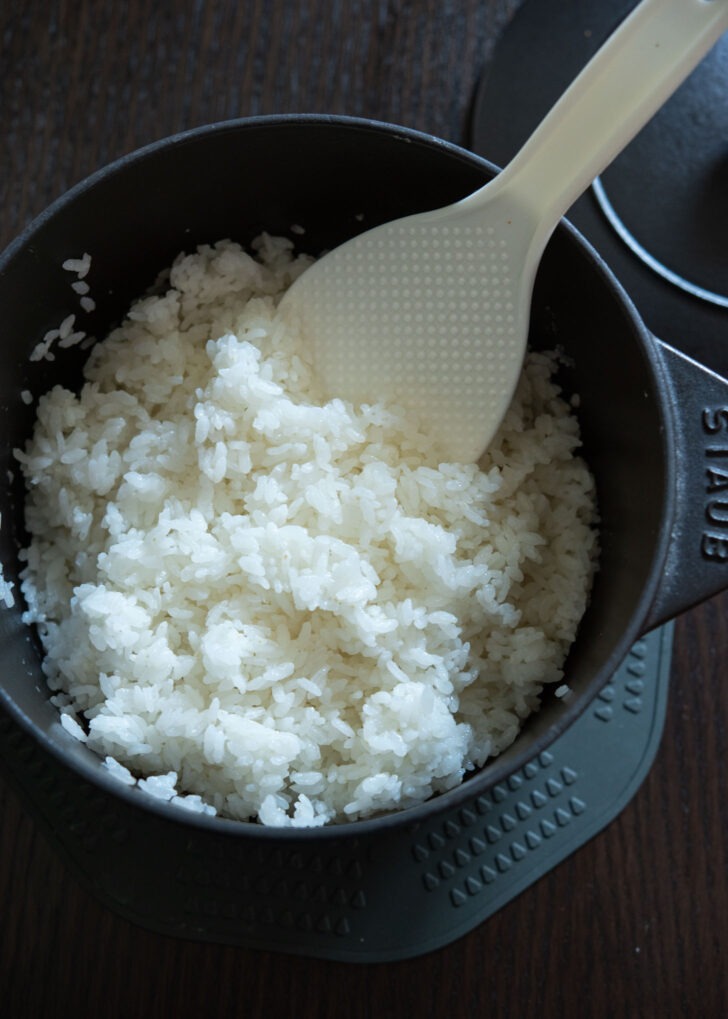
<point>334,178</point>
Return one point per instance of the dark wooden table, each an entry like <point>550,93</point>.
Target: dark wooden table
<point>635,924</point>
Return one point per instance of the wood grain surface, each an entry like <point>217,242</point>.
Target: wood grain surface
<point>635,924</point>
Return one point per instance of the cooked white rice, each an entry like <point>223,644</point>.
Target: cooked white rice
<point>263,604</point>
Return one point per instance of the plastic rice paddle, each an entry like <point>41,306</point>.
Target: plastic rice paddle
<point>431,312</point>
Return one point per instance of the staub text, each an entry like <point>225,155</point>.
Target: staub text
<point>714,540</point>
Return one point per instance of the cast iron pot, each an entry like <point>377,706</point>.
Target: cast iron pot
<point>654,423</point>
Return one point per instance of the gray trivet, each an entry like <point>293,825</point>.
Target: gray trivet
<point>384,897</point>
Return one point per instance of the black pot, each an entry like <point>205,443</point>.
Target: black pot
<point>654,423</point>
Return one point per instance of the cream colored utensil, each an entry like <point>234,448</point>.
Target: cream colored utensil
<point>431,312</point>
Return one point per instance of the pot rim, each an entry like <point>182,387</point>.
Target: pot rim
<point>500,768</point>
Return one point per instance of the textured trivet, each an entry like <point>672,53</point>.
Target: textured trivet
<point>385,897</point>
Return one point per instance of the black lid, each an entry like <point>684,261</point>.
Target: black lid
<point>659,213</point>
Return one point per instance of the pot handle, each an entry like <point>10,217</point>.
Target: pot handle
<point>696,566</point>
